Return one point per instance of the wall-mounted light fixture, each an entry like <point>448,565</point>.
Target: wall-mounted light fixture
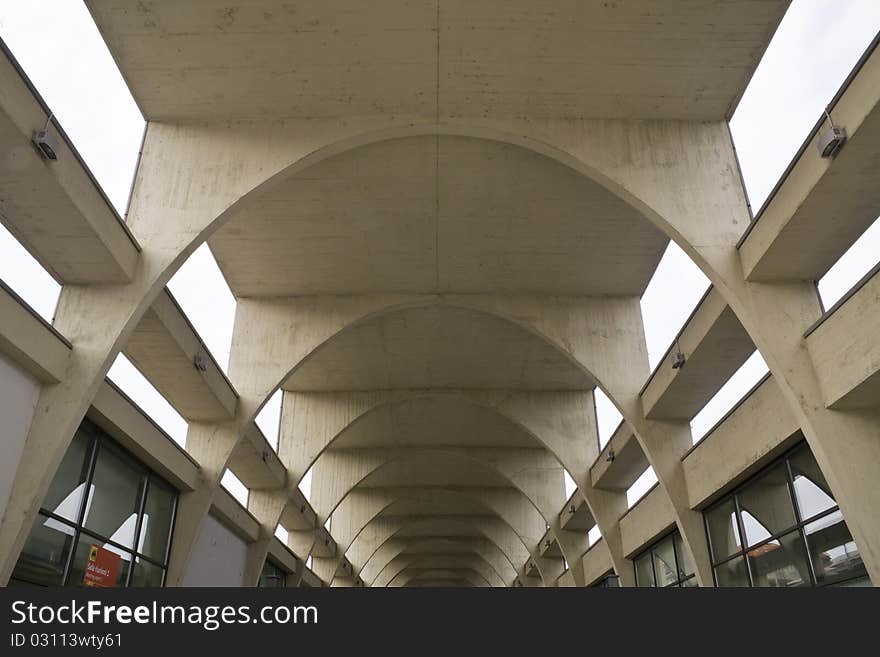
<point>610,456</point>
<point>199,362</point>
<point>678,361</point>
<point>45,141</point>
<point>831,139</point>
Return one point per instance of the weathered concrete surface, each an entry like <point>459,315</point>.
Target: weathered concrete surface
<point>635,60</point>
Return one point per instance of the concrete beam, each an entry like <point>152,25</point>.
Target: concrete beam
<point>298,514</point>
<point>596,562</point>
<point>549,547</point>
<point>646,520</point>
<point>752,434</point>
<point>845,349</point>
<point>576,516</point>
<point>824,204</point>
<point>356,60</point>
<point>284,557</point>
<point>715,345</point>
<point>566,579</point>
<point>620,462</point>
<point>167,350</point>
<point>55,207</point>
<point>30,341</point>
<point>133,429</point>
<point>235,516</point>
<point>255,463</point>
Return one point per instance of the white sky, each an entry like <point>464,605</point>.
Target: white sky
<point>58,45</point>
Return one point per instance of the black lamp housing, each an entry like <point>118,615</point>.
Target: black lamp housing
<point>46,144</point>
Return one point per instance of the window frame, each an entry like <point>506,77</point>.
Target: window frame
<point>799,525</point>
<point>98,440</point>
<point>278,568</point>
<point>649,553</point>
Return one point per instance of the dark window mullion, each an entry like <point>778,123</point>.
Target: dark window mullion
<point>800,522</point>
<point>80,519</point>
<point>135,547</point>
<point>170,538</point>
<point>653,567</point>
<point>742,540</point>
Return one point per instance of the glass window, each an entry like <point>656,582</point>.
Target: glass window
<point>81,558</point>
<point>117,484</point>
<point>147,574</point>
<point>685,565</point>
<point>644,570</point>
<point>812,492</point>
<point>789,542</point>
<point>272,576</point>
<point>780,563</point>
<point>110,516</point>
<point>44,556</point>
<point>665,564</point>
<point>723,529</point>
<point>732,573</point>
<point>832,550</point>
<point>157,519</point>
<point>665,570</point>
<point>65,493</point>
<point>766,506</point>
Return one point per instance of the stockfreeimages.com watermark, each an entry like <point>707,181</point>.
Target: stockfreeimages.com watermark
<point>209,617</point>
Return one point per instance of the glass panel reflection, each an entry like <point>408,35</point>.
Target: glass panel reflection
<point>68,485</point>
<point>780,563</point>
<point>685,565</point>
<point>117,481</point>
<point>810,488</point>
<point>44,556</point>
<point>833,552</point>
<point>664,563</point>
<point>732,573</point>
<point>644,571</point>
<point>766,506</point>
<point>723,530</point>
<point>156,524</point>
<point>146,574</point>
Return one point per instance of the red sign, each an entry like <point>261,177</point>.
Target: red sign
<point>101,568</point>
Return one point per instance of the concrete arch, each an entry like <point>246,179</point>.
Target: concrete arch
<point>521,473</point>
<point>504,505</point>
<point>396,531</point>
<point>587,331</point>
<point>439,546</point>
<point>462,573</point>
<point>392,573</point>
<point>393,547</point>
<point>355,515</point>
<point>517,466</point>
<point>566,441</point>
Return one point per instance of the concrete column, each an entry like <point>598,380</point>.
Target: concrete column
<point>266,507</point>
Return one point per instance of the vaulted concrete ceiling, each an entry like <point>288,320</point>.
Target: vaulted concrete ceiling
<point>433,421</point>
<point>437,347</point>
<point>688,59</point>
<point>428,470</point>
<point>438,214</point>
